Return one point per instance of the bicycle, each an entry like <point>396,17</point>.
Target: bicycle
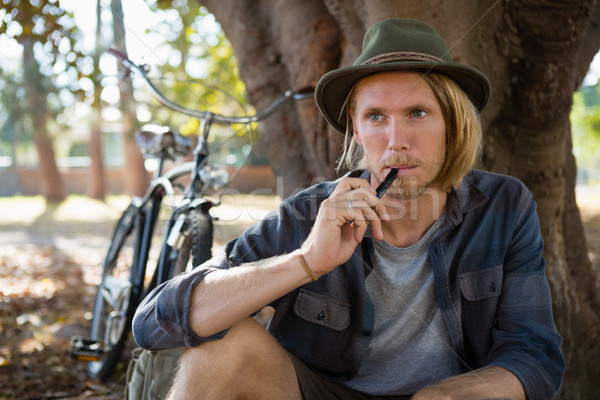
<point>189,231</point>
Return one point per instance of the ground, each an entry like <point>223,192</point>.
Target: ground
<point>50,261</point>
<point>49,266</point>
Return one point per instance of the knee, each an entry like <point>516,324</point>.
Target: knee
<point>247,337</point>
<point>243,343</point>
<point>247,362</point>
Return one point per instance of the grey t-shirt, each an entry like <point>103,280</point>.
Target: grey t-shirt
<point>410,346</point>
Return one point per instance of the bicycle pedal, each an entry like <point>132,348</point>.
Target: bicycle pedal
<point>85,349</point>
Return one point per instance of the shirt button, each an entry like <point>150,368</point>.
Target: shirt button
<point>321,315</point>
<point>493,287</point>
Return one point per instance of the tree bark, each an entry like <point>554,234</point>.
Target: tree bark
<point>51,183</point>
<point>97,184</point>
<point>135,175</point>
<point>535,54</point>
<point>576,250</point>
<point>282,45</point>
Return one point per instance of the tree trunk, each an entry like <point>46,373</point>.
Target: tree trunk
<point>96,188</point>
<point>282,45</point>
<point>576,249</point>
<point>135,174</point>
<point>11,182</point>
<point>533,125</point>
<point>535,54</point>
<point>51,183</point>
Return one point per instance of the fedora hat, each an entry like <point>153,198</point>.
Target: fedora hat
<point>392,45</point>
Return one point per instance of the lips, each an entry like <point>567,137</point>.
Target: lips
<point>404,163</point>
<point>402,168</point>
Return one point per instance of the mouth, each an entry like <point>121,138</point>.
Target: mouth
<point>403,169</point>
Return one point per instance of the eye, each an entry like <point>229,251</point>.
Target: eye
<point>419,113</point>
<point>374,116</point>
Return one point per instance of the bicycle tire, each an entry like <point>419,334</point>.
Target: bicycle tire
<point>198,233</point>
<point>118,290</point>
<point>202,236</point>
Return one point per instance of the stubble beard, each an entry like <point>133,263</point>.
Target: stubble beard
<point>406,188</point>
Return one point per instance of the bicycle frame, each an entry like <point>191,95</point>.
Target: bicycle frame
<point>149,209</point>
<point>189,228</point>
<point>191,198</point>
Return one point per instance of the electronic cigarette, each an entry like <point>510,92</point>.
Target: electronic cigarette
<point>385,184</point>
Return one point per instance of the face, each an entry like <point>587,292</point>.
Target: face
<point>398,121</point>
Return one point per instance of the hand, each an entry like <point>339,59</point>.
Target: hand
<point>341,224</point>
<point>489,383</point>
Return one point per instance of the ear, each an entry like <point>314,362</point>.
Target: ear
<point>355,131</point>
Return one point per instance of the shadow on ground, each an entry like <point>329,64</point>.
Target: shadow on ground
<point>50,261</point>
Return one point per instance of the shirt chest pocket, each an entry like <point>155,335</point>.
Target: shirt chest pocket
<point>482,284</point>
<point>322,310</point>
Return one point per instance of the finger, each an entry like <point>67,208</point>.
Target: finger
<point>376,229</point>
<point>349,184</point>
<point>359,232</point>
<point>374,203</point>
<point>360,225</point>
<point>361,216</point>
<point>362,200</point>
<point>355,210</point>
<point>381,210</point>
<point>359,209</point>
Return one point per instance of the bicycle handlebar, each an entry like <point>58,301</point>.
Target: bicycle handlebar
<point>141,70</point>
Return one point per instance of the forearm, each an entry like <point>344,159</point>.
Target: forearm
<point>225,297</point>
<point>484,383</point>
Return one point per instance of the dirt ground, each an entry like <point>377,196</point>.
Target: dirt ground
<point>50,261</point>
<point>49,268</point>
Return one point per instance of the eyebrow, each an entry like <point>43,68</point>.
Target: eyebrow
<point>384,110</point>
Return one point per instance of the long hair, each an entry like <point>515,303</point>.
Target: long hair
<point>463,132</point>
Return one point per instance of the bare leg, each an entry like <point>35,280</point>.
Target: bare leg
<point>246,364</point>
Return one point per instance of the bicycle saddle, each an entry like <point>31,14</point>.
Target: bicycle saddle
<point>155,139</point>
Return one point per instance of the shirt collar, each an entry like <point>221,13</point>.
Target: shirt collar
<point>460,201</point>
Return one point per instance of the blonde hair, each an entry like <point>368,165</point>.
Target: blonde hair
<point>463,132</point>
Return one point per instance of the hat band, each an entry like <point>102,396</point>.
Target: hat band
<point>401,56</point>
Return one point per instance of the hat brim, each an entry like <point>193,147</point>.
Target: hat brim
<point>333,88</point>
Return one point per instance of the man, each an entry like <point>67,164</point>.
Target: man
<point>436,290</point>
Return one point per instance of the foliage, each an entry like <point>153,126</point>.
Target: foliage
<point>591,118</point>
<point>11,106</point>
<point>198,70</point>
<point>54,31</point>
<point>59,66</point>
<point>201,72</point>
<point>585,122</point>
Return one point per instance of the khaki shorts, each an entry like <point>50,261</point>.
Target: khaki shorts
<point>315,387</point>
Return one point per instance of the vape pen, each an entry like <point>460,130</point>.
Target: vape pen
<point>387,181</point>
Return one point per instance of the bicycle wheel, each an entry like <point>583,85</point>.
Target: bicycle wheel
<point>197,232</point>
<point>113,309</point>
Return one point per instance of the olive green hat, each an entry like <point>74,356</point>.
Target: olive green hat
<point>391,45</point>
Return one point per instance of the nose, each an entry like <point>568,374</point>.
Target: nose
<point>398,136</point>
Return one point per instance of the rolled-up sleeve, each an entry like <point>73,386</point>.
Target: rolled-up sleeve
<point>161,320</point>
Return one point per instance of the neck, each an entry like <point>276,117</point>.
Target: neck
<point>411,219</point>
